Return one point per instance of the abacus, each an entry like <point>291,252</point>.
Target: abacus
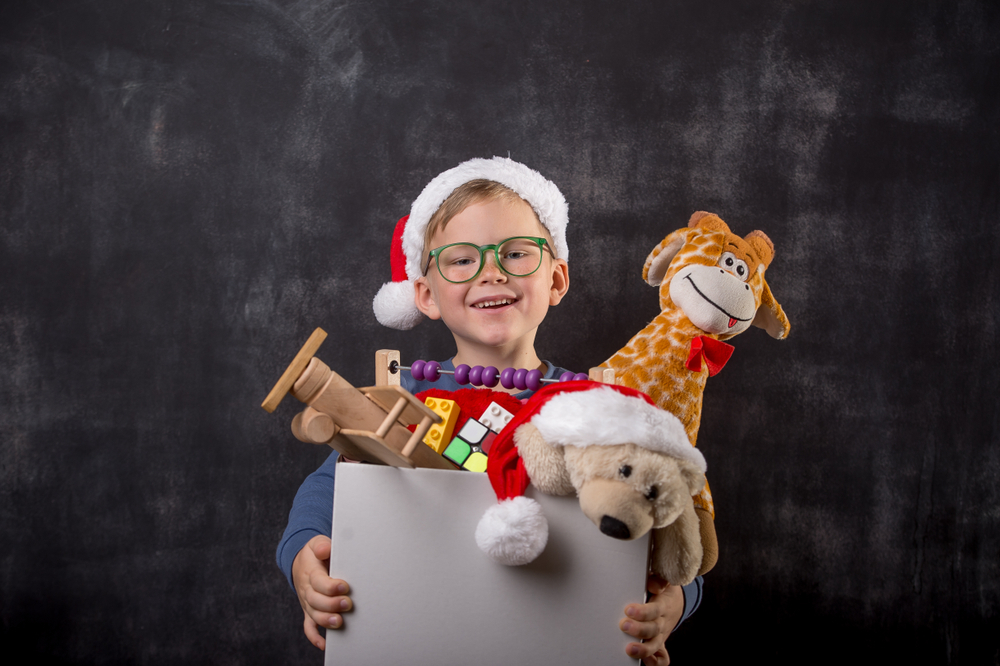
<point>509,378</point>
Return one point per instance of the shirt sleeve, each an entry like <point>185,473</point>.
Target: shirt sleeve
<point>311,514</point>
<point>692,598</point>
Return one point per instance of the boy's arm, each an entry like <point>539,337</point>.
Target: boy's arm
<point>311,515</point>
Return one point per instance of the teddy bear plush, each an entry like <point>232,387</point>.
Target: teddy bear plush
<point>630,463</point>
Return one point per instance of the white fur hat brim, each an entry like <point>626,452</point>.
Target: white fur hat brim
<point>568,419</point>
<point>541,194</point>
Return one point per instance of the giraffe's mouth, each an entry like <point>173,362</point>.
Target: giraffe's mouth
<point>732,320</point>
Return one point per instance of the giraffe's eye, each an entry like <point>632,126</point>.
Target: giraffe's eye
<point>625,471</point>
<point>729,262</point>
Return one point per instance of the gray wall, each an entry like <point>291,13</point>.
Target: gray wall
<point>188,188</point>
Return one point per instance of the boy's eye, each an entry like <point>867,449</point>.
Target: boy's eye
<point>515,255</point>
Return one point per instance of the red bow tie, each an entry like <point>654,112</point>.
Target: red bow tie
<point>716,354</point>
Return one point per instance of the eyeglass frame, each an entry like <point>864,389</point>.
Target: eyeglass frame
<point>435,254</point>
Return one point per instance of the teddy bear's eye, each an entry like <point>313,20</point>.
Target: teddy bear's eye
<point>652,493</point>
<point>625,471</point>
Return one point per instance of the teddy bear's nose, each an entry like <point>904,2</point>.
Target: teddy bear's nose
<point>614,528</point>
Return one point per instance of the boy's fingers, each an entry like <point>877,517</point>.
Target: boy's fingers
<point>644,650</point>
<point>328,604</point>
<point>312,633</point>
<point>656,584</point>
<point>642,612</point>
<point>658,658</point>
<point>643,630</point>
<point>320,547</point>
<point>326,585</point>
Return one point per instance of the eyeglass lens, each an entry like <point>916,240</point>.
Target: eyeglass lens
<point>518,257</point>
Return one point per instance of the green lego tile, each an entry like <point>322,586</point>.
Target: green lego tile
<point>458,451</point>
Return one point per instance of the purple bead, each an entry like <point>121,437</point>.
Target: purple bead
<point>566,376</point>
<point>476,375</point>
<point>533,380</point>
<point>507,378</point>
<point>462,375</point>
<point>417,370</point>
<point>580,376</point>
<point>432,371</point>
<point>519,376</point>
<point>490,376</point>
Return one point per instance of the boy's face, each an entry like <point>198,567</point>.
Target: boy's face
<point>461,306</point>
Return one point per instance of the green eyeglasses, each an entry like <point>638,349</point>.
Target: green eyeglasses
<point>461,262</point>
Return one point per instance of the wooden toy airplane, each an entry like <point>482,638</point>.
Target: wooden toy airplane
<point>368,424</point>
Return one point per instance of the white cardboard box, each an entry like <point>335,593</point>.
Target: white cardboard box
<point>425,594</point>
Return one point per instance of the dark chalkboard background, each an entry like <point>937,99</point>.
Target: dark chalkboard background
<point>188,188</point>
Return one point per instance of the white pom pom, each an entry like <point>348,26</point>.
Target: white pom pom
<point>514,532</point>
<point>394,306</point>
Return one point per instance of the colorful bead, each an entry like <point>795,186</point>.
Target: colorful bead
<point>490,376</point>
<point>462,374</point>
<point>507,378</point>
<point>533,380</point>
<point>581,376</point>
<point>519,376</point>
<point>566,376</point>
<point>417,370</point>
<point>432,371</point>
<point>476,375</point>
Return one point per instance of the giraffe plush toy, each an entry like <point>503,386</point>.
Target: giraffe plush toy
<point>712,287</point>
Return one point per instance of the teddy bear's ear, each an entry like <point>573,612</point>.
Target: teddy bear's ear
<point>544,463</point>
<point>693,477</point>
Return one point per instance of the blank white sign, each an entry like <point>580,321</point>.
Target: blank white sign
<point>425,594</point>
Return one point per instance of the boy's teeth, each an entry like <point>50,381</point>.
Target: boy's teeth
<point>489,304</point>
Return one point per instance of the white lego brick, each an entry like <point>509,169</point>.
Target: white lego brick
<point>495,417</point>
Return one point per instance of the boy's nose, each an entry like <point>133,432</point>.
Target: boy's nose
<point>491,272</point>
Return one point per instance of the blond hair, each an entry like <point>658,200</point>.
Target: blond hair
<point>475,191</point>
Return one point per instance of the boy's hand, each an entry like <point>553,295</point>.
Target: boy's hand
<point>653,621</point>
<point>322,598</point>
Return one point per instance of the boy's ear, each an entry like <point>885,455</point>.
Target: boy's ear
<point>424,299</point>
<point>560,281</point>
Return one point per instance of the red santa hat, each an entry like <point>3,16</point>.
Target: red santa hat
<point>577,413</point>
<point>393,305</point>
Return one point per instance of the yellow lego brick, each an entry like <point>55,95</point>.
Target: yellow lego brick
<point>439,436</point>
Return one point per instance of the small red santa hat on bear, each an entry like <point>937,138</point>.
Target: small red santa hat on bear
<point>576,413</point>
<point>393,304</point>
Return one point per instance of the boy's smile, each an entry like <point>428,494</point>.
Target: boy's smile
<point>493,316</point>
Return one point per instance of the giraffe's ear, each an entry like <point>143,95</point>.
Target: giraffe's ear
<point>659,259</point>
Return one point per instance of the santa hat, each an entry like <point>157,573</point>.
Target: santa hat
<point>576,413</point>
<point>393,305</point>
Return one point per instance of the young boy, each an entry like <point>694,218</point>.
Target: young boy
<point>483,249</point>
